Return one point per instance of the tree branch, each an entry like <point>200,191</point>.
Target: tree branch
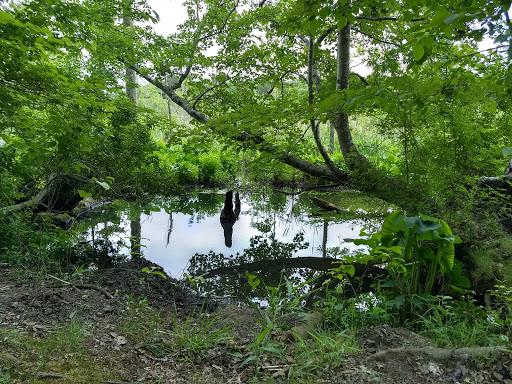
<point>386,18</point>
<point>182,78</point>
<point>206,91</point>
<point>375,38</point>
<point>360,77</point>
<point>219,31</point>
<point>322,37</point>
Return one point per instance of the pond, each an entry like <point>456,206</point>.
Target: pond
<point>184,234</point>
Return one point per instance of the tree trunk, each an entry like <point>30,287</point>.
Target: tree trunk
<point>338,173</point>
<point>353,158</point>
<point>131,75</point>
<point>331,138</point>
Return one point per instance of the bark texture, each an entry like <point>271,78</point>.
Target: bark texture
<point>353,158</point>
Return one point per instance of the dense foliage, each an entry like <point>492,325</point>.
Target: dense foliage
<point>269,90</point>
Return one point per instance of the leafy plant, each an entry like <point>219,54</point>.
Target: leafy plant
<point>282,303</point>
<point>461,323</point>
<point>415,250</point>
<point>325,351</point>
<point>142,324</point>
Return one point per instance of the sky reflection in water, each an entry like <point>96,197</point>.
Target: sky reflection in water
<point>200,232</point>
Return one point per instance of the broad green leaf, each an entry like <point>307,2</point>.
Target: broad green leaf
<point>103,184</point>
<point>349,270</point>
<point>84,194</point>
<point>418,51</point>
<point>427,41</point>
<point>421,224</point>
<point>450,19</point>
<point>342,22</point>
<point>439,17</point>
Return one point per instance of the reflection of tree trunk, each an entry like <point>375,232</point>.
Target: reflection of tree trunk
<point>228,216</point>
<point>135,228</point>
<point>324,239</point>
<point>169,231</point>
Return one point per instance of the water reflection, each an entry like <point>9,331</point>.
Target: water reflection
<point>228,216</point>
<point>171,231</point>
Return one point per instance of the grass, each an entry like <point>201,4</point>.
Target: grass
<point>196,335</point>
<point>188,338</point>
<point>23,357</point>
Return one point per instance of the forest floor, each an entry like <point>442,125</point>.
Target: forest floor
<point>53,332</point>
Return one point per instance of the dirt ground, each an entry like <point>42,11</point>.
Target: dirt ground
<point>387,355</point>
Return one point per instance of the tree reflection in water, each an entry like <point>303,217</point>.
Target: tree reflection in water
<point>228,216</point>
<point>262,247</point>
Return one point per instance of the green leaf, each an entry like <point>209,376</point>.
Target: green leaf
<point>450,19</point>
<point>103,184</point>
<point>418,51</point>
<point>427,41</point>
<point>506,152</point>
<point>342,22</point>
<point>84,194</point>
<point>423,225</point>
<point>248,360</point>
<point>349,270</point>
<point>439,17</point>
<point>262,335</point>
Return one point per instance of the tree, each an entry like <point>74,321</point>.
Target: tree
<point>284,66</point>
<point>221,101</point>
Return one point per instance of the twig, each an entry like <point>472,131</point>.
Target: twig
<point>85,286</point>
<point>119,382</point>
<point>49,375</point>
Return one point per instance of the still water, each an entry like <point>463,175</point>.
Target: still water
<point>174,230</point>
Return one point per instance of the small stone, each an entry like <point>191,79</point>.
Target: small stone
<point>434,369</point>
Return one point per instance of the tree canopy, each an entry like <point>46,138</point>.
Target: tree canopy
<point>269,77</point>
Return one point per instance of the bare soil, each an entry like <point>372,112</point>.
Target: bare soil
<point>388,355</point>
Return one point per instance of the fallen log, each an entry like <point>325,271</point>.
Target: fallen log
<point>504,182</point>
<point>324,204</point>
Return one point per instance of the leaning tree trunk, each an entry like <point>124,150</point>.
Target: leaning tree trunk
<point>353,158</point>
